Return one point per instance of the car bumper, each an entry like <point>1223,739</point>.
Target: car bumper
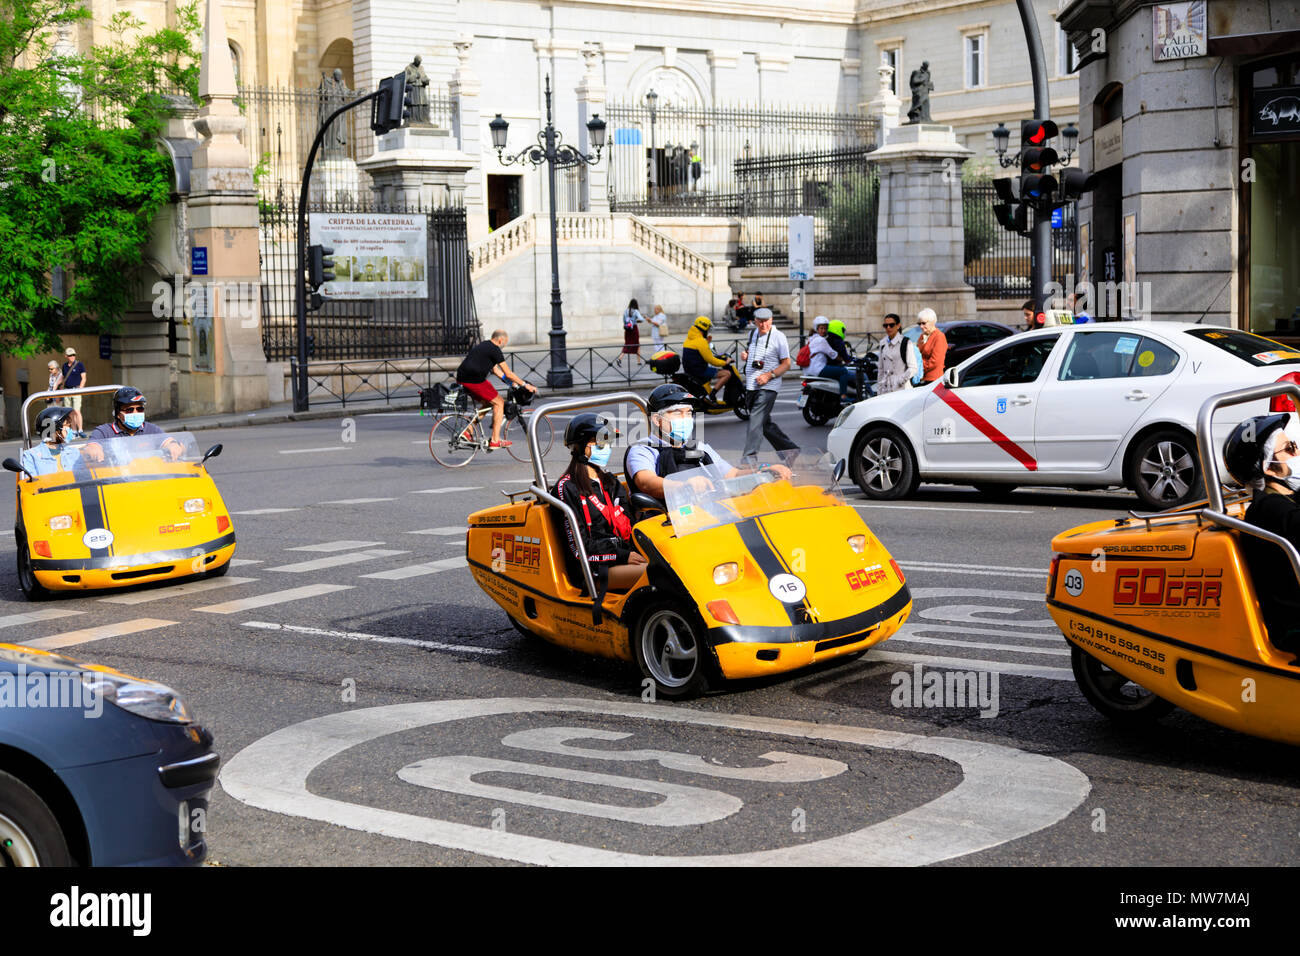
<point>127,570</point>
<point>132,808</point>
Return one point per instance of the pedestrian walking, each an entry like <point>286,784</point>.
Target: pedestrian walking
<point>896,358</point>
<point>766,358</point>
<point>56,379</point>
<point>74,376</point>
<point>934,346</point>
<point>658,327</point>
<point>632,333</point>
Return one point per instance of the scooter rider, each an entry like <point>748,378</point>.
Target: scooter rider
<point>837,367</point>
<point>819,348</point>
<point>1263,456</point>
<point>698,360</point>
<point>128,422</point>
<point>53,453</point>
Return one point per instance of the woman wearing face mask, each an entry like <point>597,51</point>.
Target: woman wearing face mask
<point>601,505</point>
<point>1263,456</point>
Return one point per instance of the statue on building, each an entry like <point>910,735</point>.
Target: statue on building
<point>417,81</point>
<point>330,95</point>
<point>921,89</point>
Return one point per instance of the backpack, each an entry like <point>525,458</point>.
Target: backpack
<point>629,320</point>
<point>804,358</point>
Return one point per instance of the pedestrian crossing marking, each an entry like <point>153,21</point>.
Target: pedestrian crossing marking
<point>88,634</point>
<point>236,562</point>
<point>356,501</point>
<point>444,491</point>
<point>265,511</point>
<point>336,546</point>
<point>416,570</point>
<point>189,587</point>
<point>337,560</point>
<point>304,451</point>
<point>274,597</point>
<point>376,638</point>
<point>40,614</point>
<point>447,529</point>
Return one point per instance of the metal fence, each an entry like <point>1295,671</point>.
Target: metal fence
<point>997,261</point>
<point>444,323</point>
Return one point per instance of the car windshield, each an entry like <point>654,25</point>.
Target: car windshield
<point>1254,349</point>
<point>126,451</point>
<point>698,499</point>
<point>136,455</point>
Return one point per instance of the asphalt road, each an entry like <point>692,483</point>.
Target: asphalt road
<point>440,736</point>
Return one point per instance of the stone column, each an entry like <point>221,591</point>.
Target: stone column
<point>466,130</point>
<point>919,234</point>
<point>591,100</point>
<point>223,220</point>
<point>770,81</point>
<point>722,64</point>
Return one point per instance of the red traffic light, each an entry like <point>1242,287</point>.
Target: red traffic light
<point>1036,132</point>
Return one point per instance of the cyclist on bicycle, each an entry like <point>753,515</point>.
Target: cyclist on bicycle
<point>698,360</point>
<point>483,360</point>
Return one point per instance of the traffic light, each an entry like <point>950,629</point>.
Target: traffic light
<point>1036,133</point>
<point>1009,212</point>
<point>1075,182</point>
<point>320,265</point>
<point>1037,186</point>
<point>391,107</point>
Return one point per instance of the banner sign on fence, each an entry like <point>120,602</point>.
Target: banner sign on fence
<point>801,248</point>
<point>376,255</point>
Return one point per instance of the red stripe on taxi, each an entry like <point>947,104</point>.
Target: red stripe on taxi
<point>985,427</point>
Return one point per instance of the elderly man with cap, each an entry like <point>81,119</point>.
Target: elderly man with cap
<point>934,346</point>
<point>766,358</point>
<point>74,376</point>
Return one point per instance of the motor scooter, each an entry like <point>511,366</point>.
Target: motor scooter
<point>819,395</point>
<point>732,398</point>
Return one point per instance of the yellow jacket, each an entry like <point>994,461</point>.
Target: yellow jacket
<point>696,342</point>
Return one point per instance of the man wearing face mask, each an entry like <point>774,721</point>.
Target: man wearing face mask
<point>670,446</point>
<point>1262,455</point>
<point>128,422</point>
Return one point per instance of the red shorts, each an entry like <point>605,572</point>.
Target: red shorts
<point>483,391</point>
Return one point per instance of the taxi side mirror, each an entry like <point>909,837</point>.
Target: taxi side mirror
<point>212,452</point>
<point>950,377</point>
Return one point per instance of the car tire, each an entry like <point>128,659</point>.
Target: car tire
<point>30,834</point>
<point>668,644</point>
<point>32,589</point>
<point>995,491</point>
<point>525,630</point>
<point>883,464</point>
<point>217,572</point>
<point>1164,469</point>
<point>1114,695</point>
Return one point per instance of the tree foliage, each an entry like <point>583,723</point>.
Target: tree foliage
<point>81,174</point>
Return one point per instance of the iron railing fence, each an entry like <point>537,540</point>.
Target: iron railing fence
<point>695,150</point>
<point>997,261</point>
<point>444,322</point>
<point>839,188</point>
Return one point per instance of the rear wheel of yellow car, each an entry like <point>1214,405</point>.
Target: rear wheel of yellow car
<point>217,571</point>
<point>1113,694</point>
<point>30,834</point>
<point>670,651</point>
<point>32,589</point>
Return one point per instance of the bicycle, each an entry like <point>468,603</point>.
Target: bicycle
<point>457,436</point>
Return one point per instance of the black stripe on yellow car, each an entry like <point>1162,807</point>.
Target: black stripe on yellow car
<point>132,560</point>
<point>515,583</point>
<point>92,510</point>
<point>859,624</point>
<point>809,614</point>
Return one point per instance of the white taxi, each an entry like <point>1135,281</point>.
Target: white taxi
<point>1087,406</point>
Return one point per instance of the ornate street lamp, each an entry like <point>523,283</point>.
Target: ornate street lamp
<point>556,155</point>
<point>652,100</point>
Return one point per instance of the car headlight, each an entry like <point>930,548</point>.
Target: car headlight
<point>842,417</point>
<point>858,542</point>
<point>61,522</point>
<point>726,573</point>
<point>194,505</point>
<point>142,698</point>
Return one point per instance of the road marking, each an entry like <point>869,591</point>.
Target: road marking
<point>447,529</point>
<point>514,481</point>
<point>963,663</point>
<point>443,491</point>
<point>982,567</point>
<point>415,570</point>
<point>376,638</point>
<point>304,451</point>
<point>985,632</point>
<point>908,636</point>
<point>337,560</point>
<point>190,587</point>
<point>975,614</point>
<point>922,566</point>
<point>32,617</point>
<point>236,562</point>
<point>992,511</point>
<point>356,501</point>
<point>274,597</point>
<point>265,511</point>
<point>86,635</point>
<point>1005,794</point>
<point>336,546</point>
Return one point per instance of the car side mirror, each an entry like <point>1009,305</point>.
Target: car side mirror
<point>212,452</point>
<point>11,465</point>
<point>950,377</point>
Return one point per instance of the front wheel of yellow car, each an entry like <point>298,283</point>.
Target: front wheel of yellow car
<point>1114,695</point>
<point>670,651</point>
<point>32,589</point>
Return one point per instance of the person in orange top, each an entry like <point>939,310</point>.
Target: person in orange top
<point>934,346</point>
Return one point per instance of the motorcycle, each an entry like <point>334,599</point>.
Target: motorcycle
<point>819,395</point>
<point>733,394</point>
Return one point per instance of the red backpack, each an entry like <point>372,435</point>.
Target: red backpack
<point>804,358</point>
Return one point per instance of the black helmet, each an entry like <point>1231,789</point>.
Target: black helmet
<point>1244,449</point>
<point>51,420</point>
<point>670,394</point>
<point>584,428</point>
<point>127,395</point>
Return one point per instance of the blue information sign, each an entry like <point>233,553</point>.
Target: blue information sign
<point>199,261</point>
<point>1058,218</point>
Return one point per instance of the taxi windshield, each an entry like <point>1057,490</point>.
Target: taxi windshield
<point>698,498</point>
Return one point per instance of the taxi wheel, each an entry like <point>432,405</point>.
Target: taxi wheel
<point>1113,694</point>
<point>1164,469</point>
<point>30,834</point>
<point>883,464</point>
<point>669,651</point>
<point>32,589</point>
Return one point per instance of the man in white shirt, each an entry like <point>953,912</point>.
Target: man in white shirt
<point>766,359</point>
<point>896,358</point>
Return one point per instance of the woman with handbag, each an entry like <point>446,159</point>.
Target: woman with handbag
<point>632,334</point>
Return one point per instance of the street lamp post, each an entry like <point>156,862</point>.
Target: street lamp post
<point>556,155</point>
<point>651,100</point>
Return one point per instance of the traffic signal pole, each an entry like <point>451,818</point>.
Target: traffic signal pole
<point>1040,243</point>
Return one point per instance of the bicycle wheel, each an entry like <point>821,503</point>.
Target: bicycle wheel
<point>447,441</point>
<point>516,432</point>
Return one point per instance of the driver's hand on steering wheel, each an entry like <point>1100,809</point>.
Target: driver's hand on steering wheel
<point>699,483</point>
<point>92,452</point>
<point>781,471</point>
<point>174,448</point>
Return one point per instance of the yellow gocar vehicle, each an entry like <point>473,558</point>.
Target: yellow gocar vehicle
<point>756,575</point>
<point>146,511</point>
<point>1161,611</point>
